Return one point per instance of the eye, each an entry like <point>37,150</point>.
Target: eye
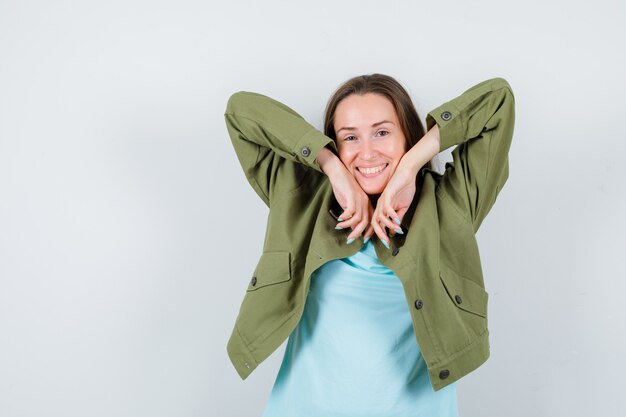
<point>380,132</point>
<point>347,138</point>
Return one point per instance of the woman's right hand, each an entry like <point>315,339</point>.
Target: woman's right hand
<point>356,205</point>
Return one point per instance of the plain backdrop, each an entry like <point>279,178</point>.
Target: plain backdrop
<point>128,232</point>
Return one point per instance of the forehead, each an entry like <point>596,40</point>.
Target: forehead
<point>364,110</point>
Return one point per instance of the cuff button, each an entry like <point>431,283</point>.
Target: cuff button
<point>306,151</point>
<point>446,115</point>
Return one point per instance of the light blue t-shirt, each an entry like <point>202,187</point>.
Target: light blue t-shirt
<point>354,352</point>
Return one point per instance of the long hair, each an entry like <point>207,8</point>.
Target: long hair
<point>388,87</point>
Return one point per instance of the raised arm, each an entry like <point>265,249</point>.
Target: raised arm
<point>480,121</point>
<point>274,144</point>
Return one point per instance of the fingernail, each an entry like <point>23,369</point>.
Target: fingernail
<point>399,231</point>
<point>385,243</point>
<point>366,239</point>
<point>338,227</point>
<point>397,220</point>
<point>339,219</point>
<point>350,240</point>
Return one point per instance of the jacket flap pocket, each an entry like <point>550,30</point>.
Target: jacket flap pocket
<point>272,268</point>
<point>465,293</point>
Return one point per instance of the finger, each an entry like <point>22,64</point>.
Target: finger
<point>383,219</point>
<point>358,229</point>
<point>392,230</point>
<point>348,211</point>
<point>393,214</point>
<point>385,223</point>
<point>365,215</point>
<point>380,233</point>
<point>356,218</point>
<point>401,213</point>
<point>352,223</point>
<point>346,217</point>
<point>369,232</point>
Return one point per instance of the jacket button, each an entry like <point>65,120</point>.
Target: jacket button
<point>444,374</point>
<point>458,299</point>
<point>306,151</point>
<point>253,281</point>
<point>446,115</point>
<point>418,304</point>
<point>395,251</point>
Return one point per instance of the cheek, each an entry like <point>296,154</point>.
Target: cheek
<point>401,148</point>
<point>396,152</point>
<point>346,157</point>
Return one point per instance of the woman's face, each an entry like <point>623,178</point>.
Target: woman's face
<point>369,139</point>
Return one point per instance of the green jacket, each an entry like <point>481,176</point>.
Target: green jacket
<point>437,259</point>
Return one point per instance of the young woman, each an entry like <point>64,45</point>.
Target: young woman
<point>382,326</point>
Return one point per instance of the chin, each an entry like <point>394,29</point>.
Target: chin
<point>372,190</point>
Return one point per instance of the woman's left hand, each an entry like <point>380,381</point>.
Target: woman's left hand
<point>394,202</point>
<point>398,194</point>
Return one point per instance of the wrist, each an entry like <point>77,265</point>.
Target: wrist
<point>328,161</point>
<point>422,152</point>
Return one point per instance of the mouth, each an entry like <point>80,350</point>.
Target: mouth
<point>373,171</point>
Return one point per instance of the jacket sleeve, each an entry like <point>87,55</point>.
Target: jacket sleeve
<point>273,143</point>
<point>480,121</point>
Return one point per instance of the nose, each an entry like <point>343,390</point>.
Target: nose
<point>368,150</point>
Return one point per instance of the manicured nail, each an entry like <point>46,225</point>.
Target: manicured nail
<point>397,220</point>
<point>350,240</point>
<point>399,231</point>
<point>385,243</point>
<point>339,219</point>
<point>366,239</point>
<point>338,227</point>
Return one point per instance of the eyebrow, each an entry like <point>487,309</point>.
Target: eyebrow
<point>354,128</point>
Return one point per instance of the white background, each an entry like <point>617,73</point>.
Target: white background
<point>128,232</point>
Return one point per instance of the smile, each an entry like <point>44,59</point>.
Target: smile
<point>373,171</point>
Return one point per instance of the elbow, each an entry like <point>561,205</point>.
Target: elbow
<point>501,82</point>
<point>235,102</point>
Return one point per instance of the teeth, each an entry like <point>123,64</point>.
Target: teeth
<point>372,170</point>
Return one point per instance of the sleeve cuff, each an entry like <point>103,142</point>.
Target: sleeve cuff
<point>310,145</point>
<point>448,118</point>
